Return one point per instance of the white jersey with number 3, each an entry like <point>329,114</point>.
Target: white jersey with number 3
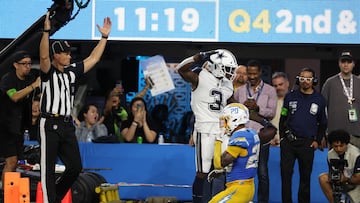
<point>208,100</point>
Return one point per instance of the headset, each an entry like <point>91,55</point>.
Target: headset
<point>315,80</point>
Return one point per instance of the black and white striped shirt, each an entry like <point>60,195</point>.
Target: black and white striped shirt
<point>58,89</point>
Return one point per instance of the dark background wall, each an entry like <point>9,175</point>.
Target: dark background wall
<point>115,63</point>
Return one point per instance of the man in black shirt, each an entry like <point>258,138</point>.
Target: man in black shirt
<point>302,127</point>
<point>15,88</point>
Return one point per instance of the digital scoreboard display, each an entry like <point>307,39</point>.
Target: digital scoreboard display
<point>248,21</point>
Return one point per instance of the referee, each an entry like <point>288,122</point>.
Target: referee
<point>57,132</point>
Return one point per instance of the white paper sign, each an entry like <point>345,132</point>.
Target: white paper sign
<point>155,68</point>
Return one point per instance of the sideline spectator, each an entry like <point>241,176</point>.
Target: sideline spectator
<point>89,128</point>
<point>114,114</point>
<point>15,88</point>
<point>138,128</point>
<point>35,119</point>
<point>302,127</point>
<point>280,81</point>
<point>240,78</point>
<point>259,98</point>
<point>342,94</point>
<point>58,80</point>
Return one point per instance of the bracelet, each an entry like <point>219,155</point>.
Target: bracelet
<point>135,123</point>
<point>104,37</point>
<point>46,30</point>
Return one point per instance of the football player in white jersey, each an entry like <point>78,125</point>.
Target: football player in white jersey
<point>211,89</point>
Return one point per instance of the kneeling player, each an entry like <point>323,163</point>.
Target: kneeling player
<point>242,153</point>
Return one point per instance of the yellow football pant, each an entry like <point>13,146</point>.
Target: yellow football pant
<point>240,191</point>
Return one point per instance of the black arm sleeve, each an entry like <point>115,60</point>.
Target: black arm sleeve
<point>321,133</point>
<point>282,126</point>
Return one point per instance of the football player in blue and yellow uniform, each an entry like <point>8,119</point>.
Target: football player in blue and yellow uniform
<point>241,155</point>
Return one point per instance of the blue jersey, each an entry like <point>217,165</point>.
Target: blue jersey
<point>244,145</point>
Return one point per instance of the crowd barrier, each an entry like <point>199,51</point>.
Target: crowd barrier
<point>143,170</point>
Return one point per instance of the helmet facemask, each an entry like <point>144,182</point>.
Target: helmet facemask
<point>230,72</point>
<point>234,115</point>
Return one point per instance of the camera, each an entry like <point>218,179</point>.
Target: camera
<point>336,168</point>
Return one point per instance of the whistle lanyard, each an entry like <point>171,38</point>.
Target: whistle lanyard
<point>348,92</point>
<point>258,92</point>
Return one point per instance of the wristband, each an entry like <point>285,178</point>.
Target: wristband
<point>135,123</point>
<point>104,37</point>
<point>185,61</point>
<point>46,30</point>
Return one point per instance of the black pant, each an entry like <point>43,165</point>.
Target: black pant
<point>58,140</point>
<point>290,151</point>
<point>263,174</point>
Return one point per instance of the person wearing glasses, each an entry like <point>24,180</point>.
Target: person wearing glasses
<point>342,94</point>
<point>15,89</point>
<point>302,127</point>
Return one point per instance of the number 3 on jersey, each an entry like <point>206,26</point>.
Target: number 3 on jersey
<point>218,99</point>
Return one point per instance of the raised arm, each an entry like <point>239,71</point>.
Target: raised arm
<point>184,69</point>
<point>97,52</point>
<point>44,46</point>
<point>145,89</point>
